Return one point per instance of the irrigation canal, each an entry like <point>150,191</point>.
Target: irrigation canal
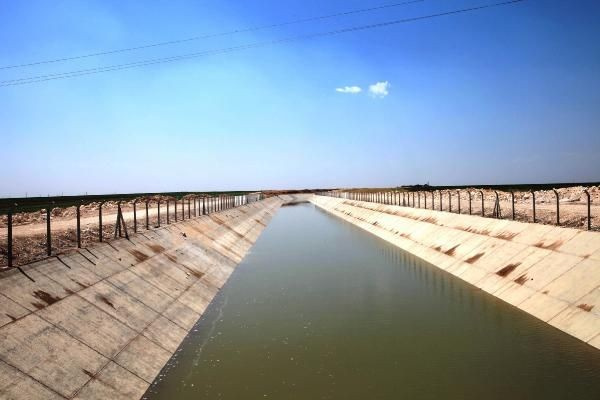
<point>320,309</point>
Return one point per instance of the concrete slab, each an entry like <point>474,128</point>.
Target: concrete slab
<point>534,233</point>
<point>120,305</point>
<point>595,255</point>
<point>590,301</point>
<point>89,324</point>
<point>16,385</point>
<point>182,315</point>
<point>165,333</point>
<point>10,311</point>
<point>37,349</point>
<point>138,288</point>
<point>488,248</point>
<point>105,266</point>
<point>516,268</point>
<point>217,276</point>
<point>595,341</point>
<point>198,296</point>
<point>465,251</point>
<point>549,269</point>
<point>491,283</point>
<point>555,238</point>
<point>72,276</point>
<point>32,294</point>
<point>576,282</point>
<point>499,254</point>
<point>577,322</point>
<point>143,358</point>
<point>154,276</point>
<point>113,382</point>
<point>543,306</point>
<point>583,244</point>
<point>472,274</point>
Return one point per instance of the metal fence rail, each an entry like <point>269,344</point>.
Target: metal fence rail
<point>197,205</point>
<point>407,199</point>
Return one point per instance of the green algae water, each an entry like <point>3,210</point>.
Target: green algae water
<point>320,309</point>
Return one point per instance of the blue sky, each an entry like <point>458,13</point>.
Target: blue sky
<point>503,95</point>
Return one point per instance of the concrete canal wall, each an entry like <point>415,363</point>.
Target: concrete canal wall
<point>550,272</point>
<point>100,323</point>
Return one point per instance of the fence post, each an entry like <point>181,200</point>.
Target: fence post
<point>118,224</point>
<point>147,217</point>
<point>557,207</point>
<point>175,209</point>
<point>9,248</point>
<point>78,214</point>
<point>533,202</point>
<point>497,210</point>
<point>158,211</point>
<point>470,209</point>
<point>100,222</point>
<point>482,204</point>
<point>458,195</point>
<point>441,206</point>
<point>589,214</point>
<point>135,216</point>
<point>48,231</point>
<point>512,199</point>
<point>168,201</point>
<point>449,200</point>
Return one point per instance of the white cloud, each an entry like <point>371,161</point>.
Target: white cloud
<point>379,89</point>
<point>349,89</point>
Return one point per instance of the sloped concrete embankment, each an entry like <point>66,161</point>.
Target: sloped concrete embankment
<point>552,273</point>
<point>100,323</point>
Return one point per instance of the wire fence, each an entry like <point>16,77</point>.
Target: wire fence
<point>516,206</point>
<point>29,236</point>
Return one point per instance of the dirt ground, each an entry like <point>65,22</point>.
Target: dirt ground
<point>29,229</point>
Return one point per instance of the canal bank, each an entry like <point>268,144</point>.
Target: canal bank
<point>101,322</point>
<point>320,309</point>
<point>552,273</point>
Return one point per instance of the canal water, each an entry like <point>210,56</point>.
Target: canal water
<point>320,309</point>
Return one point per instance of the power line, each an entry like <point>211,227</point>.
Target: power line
<point>213,35</point>
<point>82,72</point>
